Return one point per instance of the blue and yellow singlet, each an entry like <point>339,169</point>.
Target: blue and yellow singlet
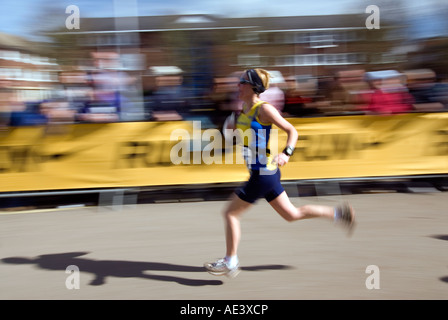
<point>255,139</point>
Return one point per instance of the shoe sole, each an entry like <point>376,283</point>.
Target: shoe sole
<point>234,273</point>
<point>351,226</point>
<point>229,274</point>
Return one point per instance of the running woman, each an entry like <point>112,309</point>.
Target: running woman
<point>264,182</point>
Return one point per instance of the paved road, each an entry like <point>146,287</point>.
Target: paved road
<point>156,251</point>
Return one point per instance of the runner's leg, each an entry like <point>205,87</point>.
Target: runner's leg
<point>232,215</point>
<point>290,213</point>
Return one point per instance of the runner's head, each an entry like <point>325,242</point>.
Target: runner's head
<point>257,78</point>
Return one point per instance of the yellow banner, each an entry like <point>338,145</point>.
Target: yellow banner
<point>132,154</point>
<point>369,146</point>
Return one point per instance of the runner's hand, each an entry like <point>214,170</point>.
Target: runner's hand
<point>281,159</point>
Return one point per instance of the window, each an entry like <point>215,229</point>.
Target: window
<point>247,36</point>
<point>320,40</point>
<point>319,59</point>
<point>249,59</point>
<point>11,55</point>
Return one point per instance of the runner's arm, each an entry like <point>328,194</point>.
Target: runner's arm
<point>269,114</point>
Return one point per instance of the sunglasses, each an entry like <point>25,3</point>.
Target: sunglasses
<point>244,81</point>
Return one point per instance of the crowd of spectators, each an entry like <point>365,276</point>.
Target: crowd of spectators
<point>348,92</point>
<point>98,96</point>
<point>389,91</point>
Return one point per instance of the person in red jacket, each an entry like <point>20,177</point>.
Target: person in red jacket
<point>388,95</point>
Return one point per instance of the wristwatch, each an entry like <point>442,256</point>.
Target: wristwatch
<point>288,151</point>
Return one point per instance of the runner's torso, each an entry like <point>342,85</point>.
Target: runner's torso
<point>255,139</point>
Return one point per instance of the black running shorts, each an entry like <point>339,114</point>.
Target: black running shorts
<point>261,185</point>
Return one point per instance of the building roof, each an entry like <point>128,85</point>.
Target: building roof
<point>8,41</point>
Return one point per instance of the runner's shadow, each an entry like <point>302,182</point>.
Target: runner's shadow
<point>102,269</point>
<point>267,267</point>
<point>441,237</point>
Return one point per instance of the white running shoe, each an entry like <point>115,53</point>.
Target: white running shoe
<point>220,268</point>
<point>346,217</point>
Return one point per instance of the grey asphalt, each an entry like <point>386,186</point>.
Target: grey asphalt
<point>156,251</point>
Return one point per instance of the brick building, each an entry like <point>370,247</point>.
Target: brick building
<point>206,44</point>
<point>25,73</point>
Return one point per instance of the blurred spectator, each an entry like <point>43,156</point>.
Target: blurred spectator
<point>274,94</point>
<point>100,111</point>
<point>300,95</point>
<point>225,93</point>
<point>235,104</point>
<point>224,97</point>
<point>168,93</point>
<point>76,87</point>
<point>57,111</point>
<point>441,91</point>
<point>428,94</point>
<point>388,95</point>
<point>349,91</point>
<point>30,115</point>
<point>107,82</point>
<point>168,99</point>
<point>6,100</point>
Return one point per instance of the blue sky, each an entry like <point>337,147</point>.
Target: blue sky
<point>23,17</point>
